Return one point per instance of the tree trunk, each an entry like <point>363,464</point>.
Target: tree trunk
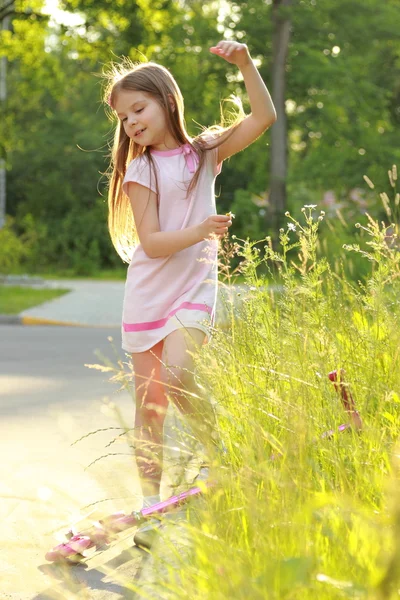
<point>279,155</point>
<point>3,96</point>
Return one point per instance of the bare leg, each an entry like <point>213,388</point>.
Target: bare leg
<point>180,385</point>
<point>151,407</point>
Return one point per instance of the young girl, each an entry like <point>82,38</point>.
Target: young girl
<point>163,221</point>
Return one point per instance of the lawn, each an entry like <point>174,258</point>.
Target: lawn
<point>14,299</point>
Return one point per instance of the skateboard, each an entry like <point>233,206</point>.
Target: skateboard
<point>103,532</point>
<point>349,405</point>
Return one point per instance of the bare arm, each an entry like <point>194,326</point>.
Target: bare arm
<point>263,113</point>
<point>164,243</point>
<point>262,107</point>
<point>159,244</point>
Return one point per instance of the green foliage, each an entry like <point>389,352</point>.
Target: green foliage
<point>247,215</point>
<point>55,137</point>
<point>12,248</point>
<point>82,240</point>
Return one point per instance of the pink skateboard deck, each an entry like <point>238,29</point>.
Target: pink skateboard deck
<point>102,532</point>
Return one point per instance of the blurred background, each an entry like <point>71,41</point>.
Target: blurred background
<point>332,66</point>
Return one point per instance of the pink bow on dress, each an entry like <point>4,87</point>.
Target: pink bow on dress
<point>190,157</point>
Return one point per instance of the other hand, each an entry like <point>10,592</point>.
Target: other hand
<point>215,225</point>
<point>233,52</point>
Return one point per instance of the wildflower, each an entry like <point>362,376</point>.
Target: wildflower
<point>287,214</point>
<point>291,226</point>
<point>369,182</point>
<point>310,206</point>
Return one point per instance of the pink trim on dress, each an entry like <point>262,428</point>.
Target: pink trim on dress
<point>161,322</point>
<point>167,152</point>
<point>191,157</point>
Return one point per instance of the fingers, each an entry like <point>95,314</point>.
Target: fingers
<point>223,226</point>
<point>219,224</point>
<point>225,48</point>
<point>224,223</point>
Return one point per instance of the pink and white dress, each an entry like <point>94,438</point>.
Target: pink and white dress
<point>180,290</point>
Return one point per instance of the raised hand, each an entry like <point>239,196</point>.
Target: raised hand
<point>233,52</point>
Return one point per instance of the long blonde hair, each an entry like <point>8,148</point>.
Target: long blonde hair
<point>156,80</point>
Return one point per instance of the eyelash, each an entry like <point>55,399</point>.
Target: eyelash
<point>138,111</point>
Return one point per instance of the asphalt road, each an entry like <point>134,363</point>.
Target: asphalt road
<point>48,399</point>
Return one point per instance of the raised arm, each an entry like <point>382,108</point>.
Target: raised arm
<point>263,113</point>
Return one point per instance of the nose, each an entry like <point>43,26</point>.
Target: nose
<point>132,120</point>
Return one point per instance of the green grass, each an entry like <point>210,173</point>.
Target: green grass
<point>298,516</point>
<point>14,299</point>
<point>105,274</point>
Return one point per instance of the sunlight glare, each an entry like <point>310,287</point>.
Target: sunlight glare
<point>44,493</point>
<point>61,17</point>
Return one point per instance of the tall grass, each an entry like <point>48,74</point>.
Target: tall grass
<point>296,515</point>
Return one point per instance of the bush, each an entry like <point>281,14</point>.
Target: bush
<point>12,250</point>
<point>78,244</point>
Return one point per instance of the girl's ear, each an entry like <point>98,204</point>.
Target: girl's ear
<point>172,102</point>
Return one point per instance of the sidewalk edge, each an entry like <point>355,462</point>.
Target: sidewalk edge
<point>10,319</point>
<point>27,320</point>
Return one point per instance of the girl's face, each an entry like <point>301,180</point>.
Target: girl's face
<point>144,120</point>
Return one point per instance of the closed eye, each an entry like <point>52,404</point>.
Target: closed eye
<point>137,111</point>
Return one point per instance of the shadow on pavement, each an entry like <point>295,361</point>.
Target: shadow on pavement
<point>109,581</point>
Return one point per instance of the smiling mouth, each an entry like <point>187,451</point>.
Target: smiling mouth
<point>139,132</point>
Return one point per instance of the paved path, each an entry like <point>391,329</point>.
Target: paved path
<point>46,405</point>
<point>92,303</point>
<point>99,303</point>
<point>48,399</point>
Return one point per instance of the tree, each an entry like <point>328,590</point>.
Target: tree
<point>342,107</point>
<point>281,23</point>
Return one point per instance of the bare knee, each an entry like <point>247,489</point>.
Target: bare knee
<point>175,377</point>
<point>150,413</point>
<point>151,402</point>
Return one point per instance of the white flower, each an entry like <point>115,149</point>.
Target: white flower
<point>310,206</point>
<point>291,226</point>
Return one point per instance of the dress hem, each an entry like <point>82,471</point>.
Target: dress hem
<point>147,347</point>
